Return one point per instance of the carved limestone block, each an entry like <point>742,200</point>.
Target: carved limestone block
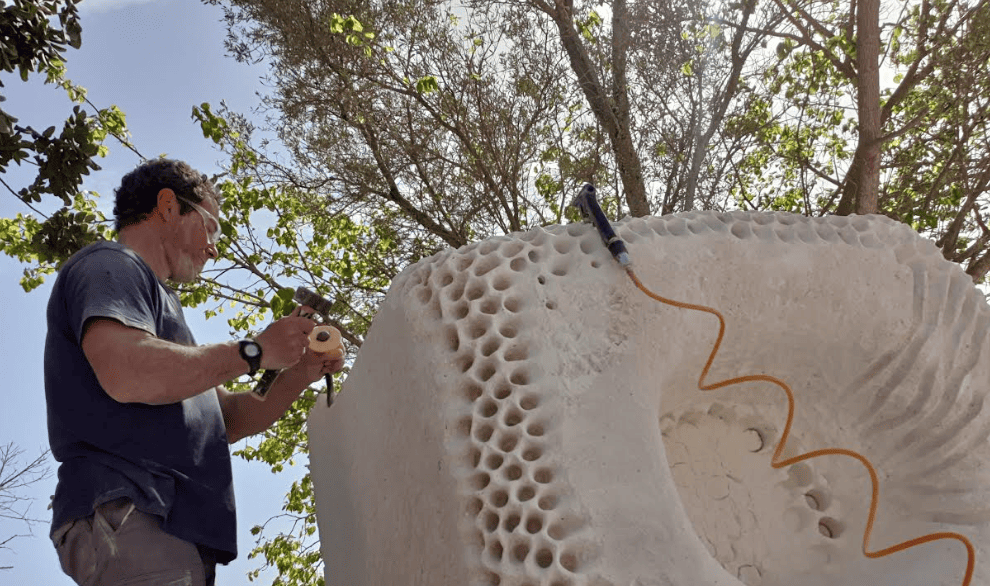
<point>521,414</point>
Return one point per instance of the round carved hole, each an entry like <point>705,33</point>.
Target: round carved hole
<point>569,561</point>
<point>830,527</point>
<point>543,476</point>
<point>503,392</point>
<point>473,392</point>
<point>521,551</point>
<point>513,472</point>
<point>529,402</point>
<point>817,500</point>
<point>534,525</point>
<point>486,372</point>
<point>511,522</point>
<point>544,558</point>
<point>478,330</point>
<point>491,521</point>
<point>495,550</point>
<point>519,377</point>
<point>481,481</point>
<point>494,461</point>
<point>525,493</point>
<point>508,443</point>
<point>490,347</point>
<point>500,498</point>
<point>484,433</point>
<point>563,246</point>
<point>508,331</point>
<point>535,430</point>
<point>517,352</point>
<point>753,440</point>
<point>489,408</point>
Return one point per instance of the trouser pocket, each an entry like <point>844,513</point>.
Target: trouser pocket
<point>76,551</point>
<point>122,546</point>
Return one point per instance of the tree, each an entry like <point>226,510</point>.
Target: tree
<point>915,149</point>
<point>33,39</point>
<point>14,479</point>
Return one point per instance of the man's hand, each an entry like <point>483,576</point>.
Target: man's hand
<point>314,365</point>
<point>285,341</point>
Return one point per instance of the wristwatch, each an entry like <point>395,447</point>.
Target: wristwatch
<point>251,352</point>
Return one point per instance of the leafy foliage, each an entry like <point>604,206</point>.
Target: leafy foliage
<point>36,36</point>
<point>932,169</point>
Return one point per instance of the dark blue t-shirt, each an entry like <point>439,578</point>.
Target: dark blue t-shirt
<point>171,460</point>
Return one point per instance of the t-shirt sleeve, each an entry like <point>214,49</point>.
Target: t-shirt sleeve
<point>110,284</point>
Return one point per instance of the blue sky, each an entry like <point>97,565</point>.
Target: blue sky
<point>154,60</point>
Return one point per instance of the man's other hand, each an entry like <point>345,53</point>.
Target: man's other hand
<point>314,365</point>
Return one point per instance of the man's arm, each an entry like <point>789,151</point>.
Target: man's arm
<point>135,367</point>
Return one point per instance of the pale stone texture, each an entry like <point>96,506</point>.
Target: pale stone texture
<point>522,414</point>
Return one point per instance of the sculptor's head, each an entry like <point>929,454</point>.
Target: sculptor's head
<point>169,213</point>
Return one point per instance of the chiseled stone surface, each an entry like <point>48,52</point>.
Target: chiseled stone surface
<point>522,414</point>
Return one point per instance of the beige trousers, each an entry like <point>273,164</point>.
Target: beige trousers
<point>121,546</point>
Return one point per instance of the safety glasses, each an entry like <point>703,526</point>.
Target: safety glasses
<point>210,222</point>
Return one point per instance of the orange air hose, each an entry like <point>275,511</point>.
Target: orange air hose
<point>776,463</point>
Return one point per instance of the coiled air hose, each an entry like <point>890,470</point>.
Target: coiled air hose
<point>587,203</point>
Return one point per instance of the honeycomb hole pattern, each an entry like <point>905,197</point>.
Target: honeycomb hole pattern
<point>516,497</point>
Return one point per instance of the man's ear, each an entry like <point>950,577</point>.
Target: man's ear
<point>168,204</point>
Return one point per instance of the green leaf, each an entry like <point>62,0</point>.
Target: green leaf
<point>427,84</point>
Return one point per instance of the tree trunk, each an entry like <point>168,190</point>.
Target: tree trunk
<point>863,178</point>
<point>612,112</point>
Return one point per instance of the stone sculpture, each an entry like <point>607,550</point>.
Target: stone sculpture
<point>522,414</point>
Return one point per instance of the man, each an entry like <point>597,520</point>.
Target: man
<point>137,414</point>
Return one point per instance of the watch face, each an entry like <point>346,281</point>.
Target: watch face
<point>251,350</point>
